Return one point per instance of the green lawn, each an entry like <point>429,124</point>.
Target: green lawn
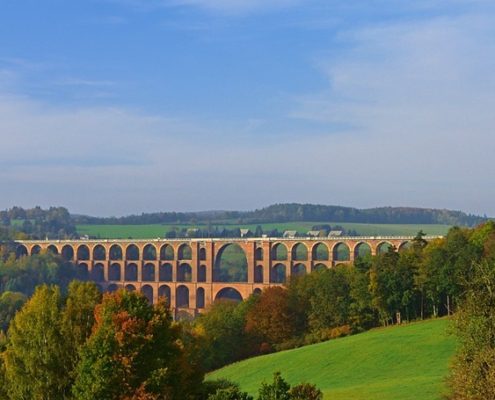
<point>409,362</point>
<point>159,230</point>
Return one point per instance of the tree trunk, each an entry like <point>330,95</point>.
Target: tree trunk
<point>422,305</point>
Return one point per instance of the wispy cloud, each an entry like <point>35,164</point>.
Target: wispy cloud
<point>419,95</point>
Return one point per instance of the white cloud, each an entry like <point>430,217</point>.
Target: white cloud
<point>420,97</point>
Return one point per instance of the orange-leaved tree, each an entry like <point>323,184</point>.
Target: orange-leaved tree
<point>134,352</point>
<point>270,318</point>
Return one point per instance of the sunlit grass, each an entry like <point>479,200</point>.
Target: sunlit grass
<point>408,362</point>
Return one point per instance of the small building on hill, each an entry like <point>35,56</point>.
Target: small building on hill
<point>290,234</point>
<point>316,233</point>
<point>246,233</point>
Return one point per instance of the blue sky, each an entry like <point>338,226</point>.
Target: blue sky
<point>112,107</point>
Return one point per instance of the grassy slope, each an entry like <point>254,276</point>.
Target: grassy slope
<point>158,230</point>
<point>398,363</point>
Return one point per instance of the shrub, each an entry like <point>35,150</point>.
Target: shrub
<point>305,391</point>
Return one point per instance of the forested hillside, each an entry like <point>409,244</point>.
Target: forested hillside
<point>299,212</point>
<point>36,223</point>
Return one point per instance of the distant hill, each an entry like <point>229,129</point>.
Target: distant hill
<point>407,362</point>
<point>294,212</point>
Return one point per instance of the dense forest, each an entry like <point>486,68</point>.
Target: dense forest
<point>299,212</point>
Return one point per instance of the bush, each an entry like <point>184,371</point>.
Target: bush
<point>212,387</point>
<point>277,390</point>
<point>305,391</point>
<point>232,393</point>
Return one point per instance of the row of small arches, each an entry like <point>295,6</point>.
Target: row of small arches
<point>182,294</point>
<point>116,253</point>
<point>278,273</point>
<point>299,252</point>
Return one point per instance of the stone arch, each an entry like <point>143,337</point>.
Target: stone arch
<point>258,274</point>
<point>230,264</point>
<point>362,249</point>
<point>184,252</point>
<point>299,252</point>
<point>83,267</point>
<point>184,273</point>
<point>182,297</point>
<point>21,251</point>
<point>257,291</point>
<point>405,245</point>
<point>130,288</point>
<point>258,254</point>
<point>164,291</point>
<point>383,247</point>
<point>200,298</point>
<point>341,252</point>
<point>97,272</point>
<point>147,292</point>
<point>202,254</point>
<point>320,252</point>
<point>149,252</point>
<point>298,270</point>
<point>52,249</point>
<point>99,253</point>
<point>113,288</point>
<point>132,252</point>
<point>131,272</point>
<point>114,272</point>
<point>83,252</point>
<point>148,274</point>
<point>279,252</point>
<point>67,252</point>
<point>277,273</point>
<point>165,273</point>
<point>35,250</point>
<point>319,267</point>
<point>115,253</point>
<point>201,273</point>
<point>228,293</point>
<point>167,252</point>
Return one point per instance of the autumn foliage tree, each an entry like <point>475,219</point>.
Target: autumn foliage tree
<point>270,318</point>
<point>134,352</point>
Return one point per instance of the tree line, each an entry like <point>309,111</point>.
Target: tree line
<point>294,212</point>
<point>36,223</point>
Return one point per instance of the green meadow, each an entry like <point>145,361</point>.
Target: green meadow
<point>409,362</point>
<point>159,230</point>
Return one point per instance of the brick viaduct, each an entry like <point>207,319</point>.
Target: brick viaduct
<point>183,269</point>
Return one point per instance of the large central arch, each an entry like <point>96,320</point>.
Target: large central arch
<point>230,264</point>
<point>228,293</point>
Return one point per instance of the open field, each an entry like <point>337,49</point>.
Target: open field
<point>409,362</point>
<point>159,230</point>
